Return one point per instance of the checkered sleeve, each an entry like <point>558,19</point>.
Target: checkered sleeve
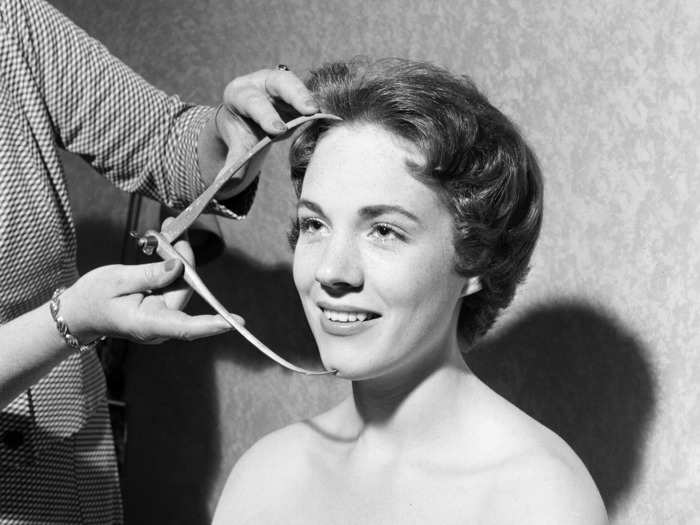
<point>138,137</point>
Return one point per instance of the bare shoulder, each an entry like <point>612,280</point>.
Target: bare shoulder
<point>546,486</point>
<point>535,476</point>
<point>263,473</point>
<point>278,468</point>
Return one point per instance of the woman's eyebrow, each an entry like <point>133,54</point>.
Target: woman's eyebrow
<point>371,212</point>
<point>311,205</point>
<point>367,212</point>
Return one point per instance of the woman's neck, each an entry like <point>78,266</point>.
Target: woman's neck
<point>411,409</point>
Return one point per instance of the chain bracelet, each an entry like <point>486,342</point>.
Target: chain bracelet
<point>62,327</point>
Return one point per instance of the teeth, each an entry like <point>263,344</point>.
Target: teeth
<point>345,317</point>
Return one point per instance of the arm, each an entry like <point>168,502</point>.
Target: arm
<point>88,95</point>
<point>132,133</point>
<point>112,300</point>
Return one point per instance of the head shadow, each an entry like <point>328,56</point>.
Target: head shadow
<point>265,296</point>
<point>174,406</point>
<point>583,374</point>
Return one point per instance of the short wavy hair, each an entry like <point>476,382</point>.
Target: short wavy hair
<point>474,157</point>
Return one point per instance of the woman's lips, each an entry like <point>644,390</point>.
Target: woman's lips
<point>346,322</point>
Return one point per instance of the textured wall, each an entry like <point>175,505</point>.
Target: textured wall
<point>601,342</point>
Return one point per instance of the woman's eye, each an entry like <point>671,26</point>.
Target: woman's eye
<point>384,233</point>
<point>310,225</point>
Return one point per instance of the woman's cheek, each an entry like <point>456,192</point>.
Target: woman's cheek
<point>302,268</point>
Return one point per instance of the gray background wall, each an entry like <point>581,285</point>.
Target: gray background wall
<point>601,342</point>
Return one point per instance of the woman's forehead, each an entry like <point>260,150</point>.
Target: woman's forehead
<point>368,138</point>
<point>365,165</point>
<point>360,153</point>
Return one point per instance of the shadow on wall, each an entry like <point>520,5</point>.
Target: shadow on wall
<point>583,375</point>
<point>173,451</point>
<point>268,300</point>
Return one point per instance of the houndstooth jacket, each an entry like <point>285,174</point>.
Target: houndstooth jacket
<point>59,88</point>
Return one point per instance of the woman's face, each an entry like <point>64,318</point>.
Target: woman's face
<point>374,263</point>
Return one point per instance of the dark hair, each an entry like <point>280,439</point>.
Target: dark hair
<point>481,167</point>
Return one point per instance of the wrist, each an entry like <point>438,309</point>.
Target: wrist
<point>67,324</point>
<point>211,149</point>
<point>225,138</point>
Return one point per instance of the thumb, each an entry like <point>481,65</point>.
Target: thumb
<point>143,277</point>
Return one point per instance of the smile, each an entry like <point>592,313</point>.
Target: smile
<point>345,320</point>
<point>339,316</point>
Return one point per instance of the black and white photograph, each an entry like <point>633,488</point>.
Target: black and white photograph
<point>349,262</point>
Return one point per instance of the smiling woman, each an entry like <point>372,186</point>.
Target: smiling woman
<point>416,220</point>
<point>373,258</point>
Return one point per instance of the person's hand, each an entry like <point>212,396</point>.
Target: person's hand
<point>268,97</point>
<point>141,303</point>
<point>255,105</point>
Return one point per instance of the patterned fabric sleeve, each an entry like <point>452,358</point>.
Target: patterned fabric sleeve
<point>59,87</point>
<point>141,139</point>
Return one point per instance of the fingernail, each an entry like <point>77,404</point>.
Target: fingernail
<point>170,265</point>
<point>236,318</point>
<point>311,103</point>
<point>226,326</point>
<point>279,126</point>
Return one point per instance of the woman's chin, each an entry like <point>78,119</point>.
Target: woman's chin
<point>350,371</point>
<point>348,375</point>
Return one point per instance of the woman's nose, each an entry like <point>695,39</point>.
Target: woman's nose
<point>340,264</point>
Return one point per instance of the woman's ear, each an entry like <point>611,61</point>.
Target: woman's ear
<point>472,286</point>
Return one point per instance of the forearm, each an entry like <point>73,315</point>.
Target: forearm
<point>30,347</point>
<point>138,137</point>
<point>115,301</point>
<point>211,150</point>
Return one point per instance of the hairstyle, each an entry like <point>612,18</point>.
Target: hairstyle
<point>474,157</point>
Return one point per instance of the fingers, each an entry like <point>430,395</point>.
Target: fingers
<point>161,324</point>
<point>112,300</point>
<point>173,324</point>
<point>149,320</point>
<point>144,277</point>
<point>254,96</point>
<point>178,295</point>
<point>258,107</point>
<point>182,246</point>
<point>287,87</point>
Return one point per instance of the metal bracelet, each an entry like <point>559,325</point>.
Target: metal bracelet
<point>62,327</point>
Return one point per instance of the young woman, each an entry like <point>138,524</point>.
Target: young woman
<point>417,217</point>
